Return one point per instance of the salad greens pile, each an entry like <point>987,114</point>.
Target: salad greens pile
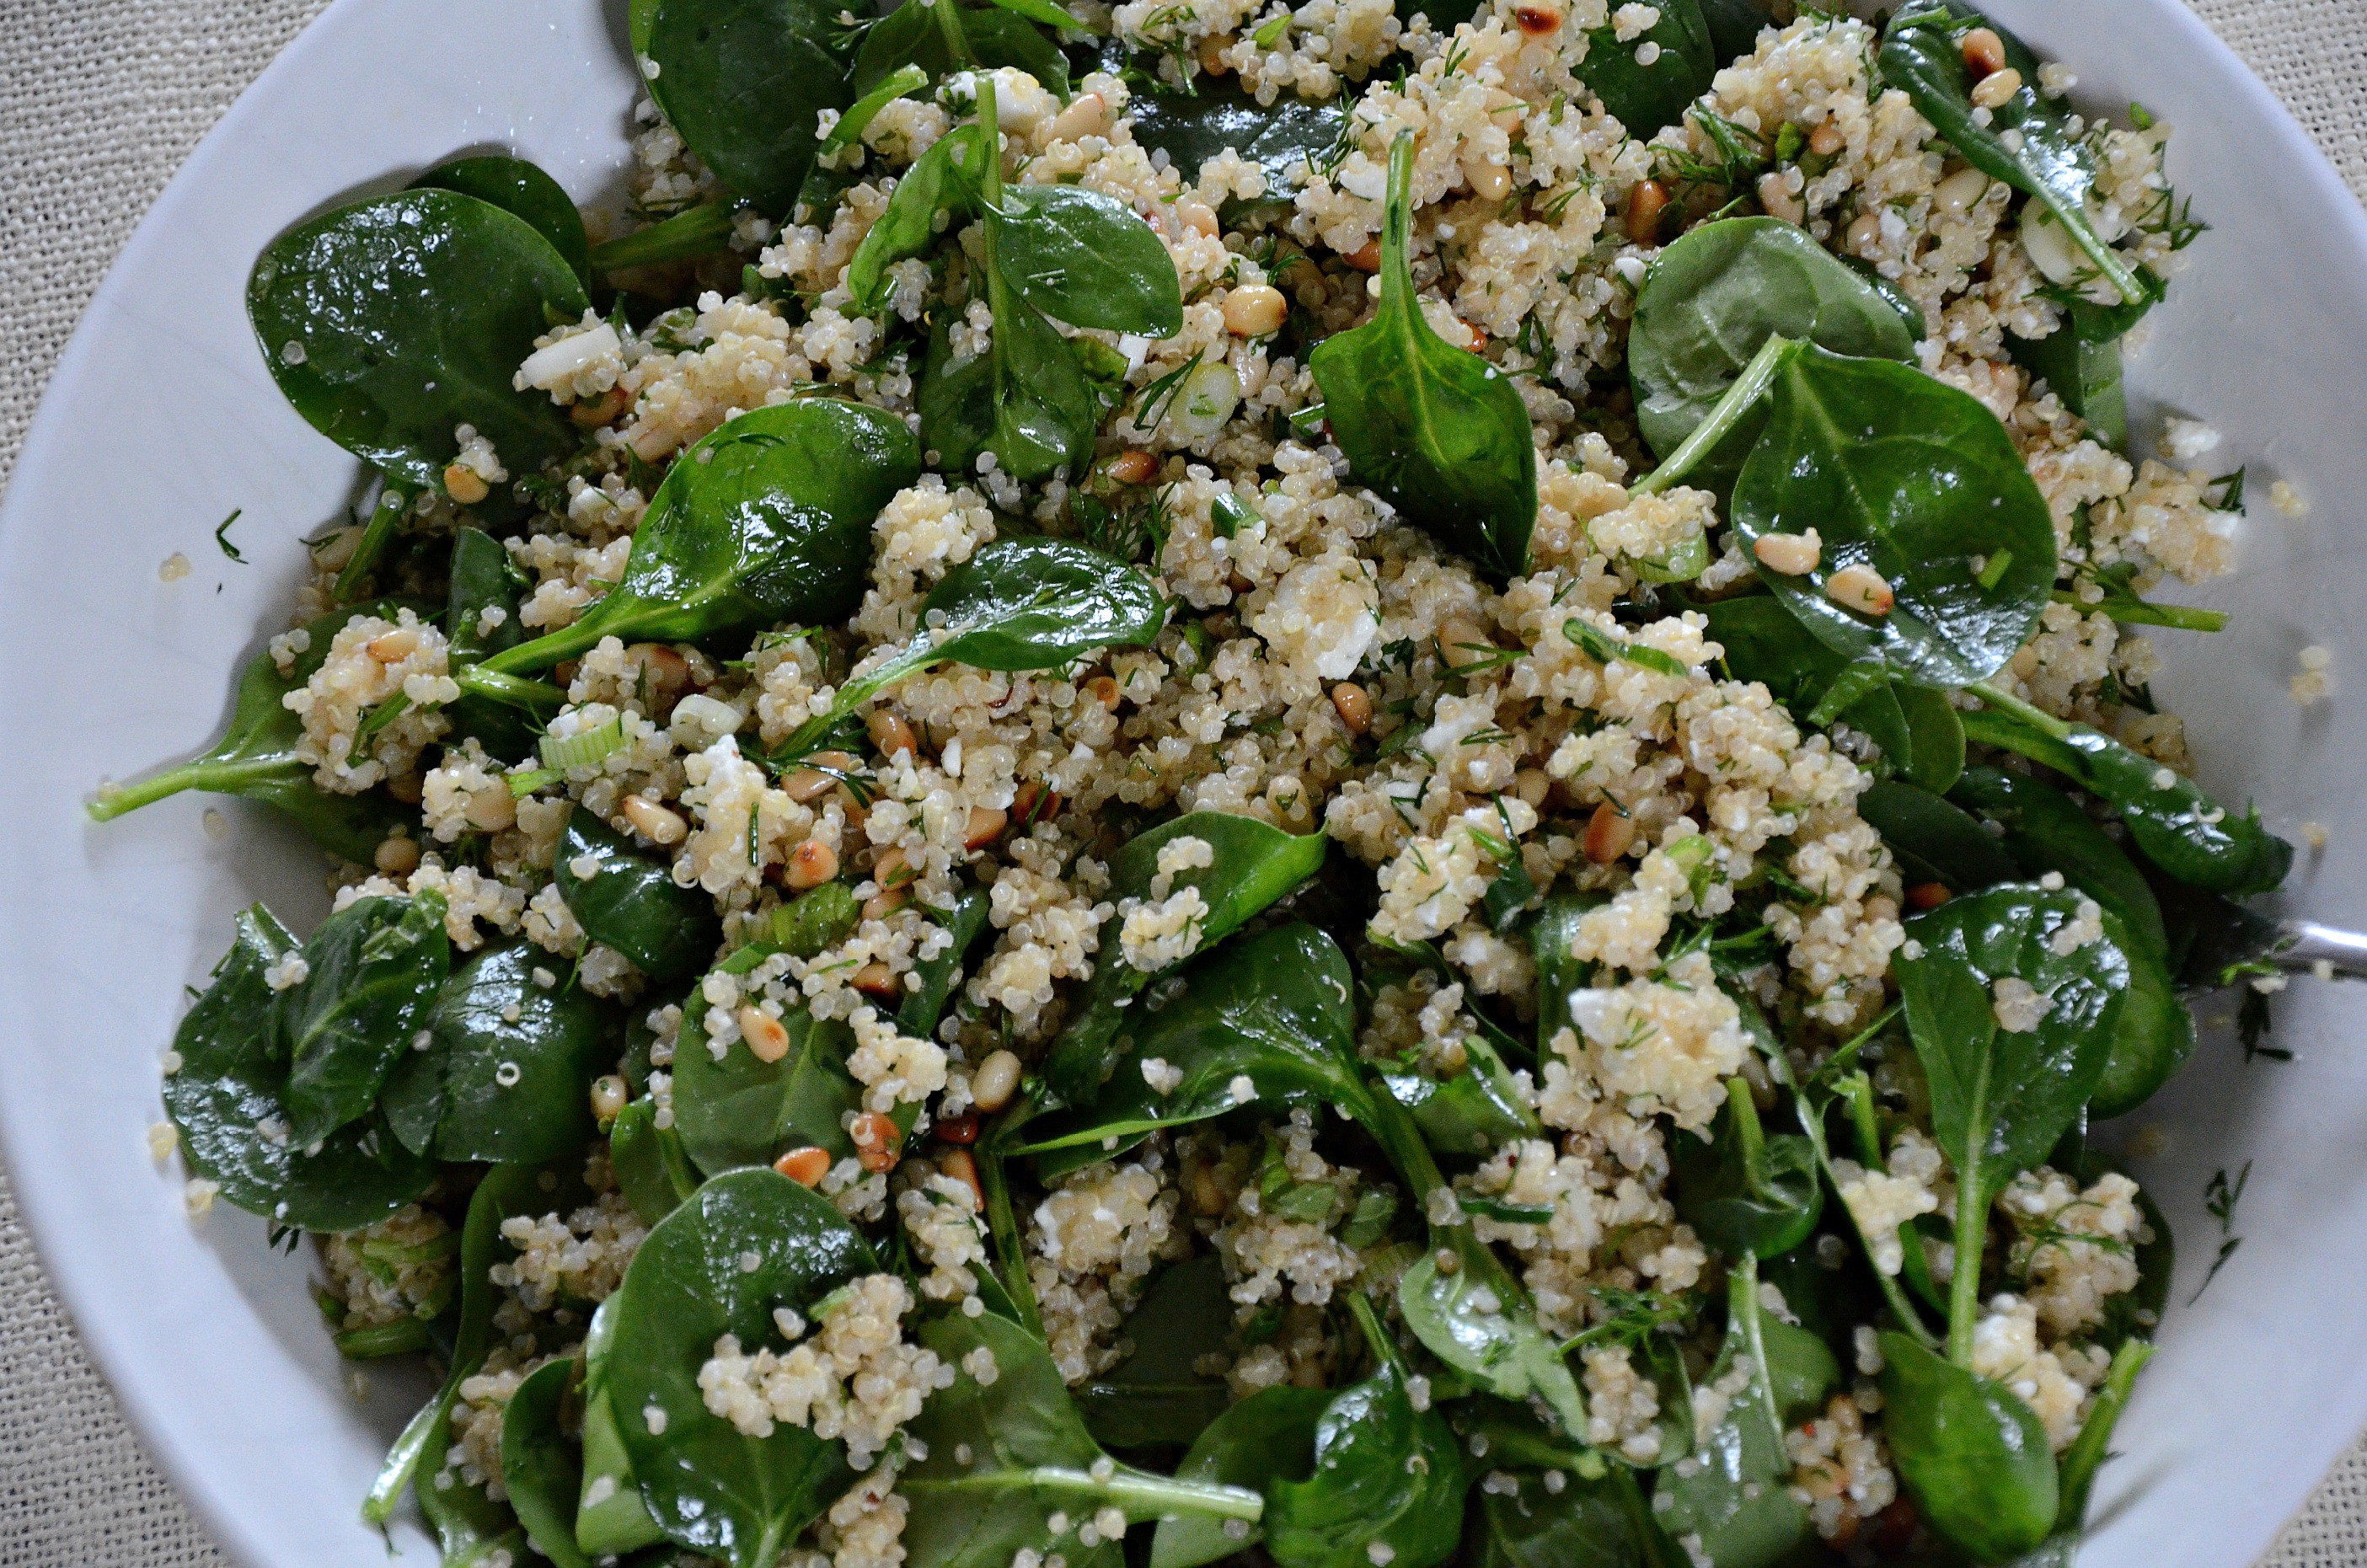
<point>2065,893</point>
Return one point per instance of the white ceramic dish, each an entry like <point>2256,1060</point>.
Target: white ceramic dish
<point>162,418</point>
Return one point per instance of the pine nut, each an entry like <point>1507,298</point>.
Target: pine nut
<point>1533,785</point>
<point>409,788</point>
<point>491,810</point>
<point>1537,20</point>
<point>397,856</point>
<point>601,410</point>
<point>1860,588</point>
<point>1104,690</point>
<point>810,865</point>
<point>1354,708</point>
<point>880,906</point>
<point>465,485</point>
<point>659,674</point>
<point>1646,200</point>
<point>1254,310</point>
<point>1826,139</point>
<point>957,1164</point>
<point>811,783</point>
<point>1488,182</point>
<point>961,1129</point>
<point>658,824</point>
<point>1992,91</point>
<point>1775,196</point>
<point>1211,54</point>
<point>1984,52</point>
<point>1461,643</point>
<point>1198,217</point>
<point>394,647</point>
<point>893,735</point>
<point>1926,896</point>
<point>876,980</point>
<point>1794,555</point>
<point>1034,803</point>
<point>1960,192</point>
<point>1207,1198</point>
<point>986,825</point>
<point>1365,257</point>
<point>876,1143</point>
<point>1133,468</point>
<point>767,1037</point>
<point>1610,833</point>
<point>996,1080</point>
<point>608,1094</point>
<point>806,1166</point>
<point>1865,234</point>
<point>1088,116</point>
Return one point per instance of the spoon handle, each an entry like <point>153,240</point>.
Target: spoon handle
<point>2307,944</point>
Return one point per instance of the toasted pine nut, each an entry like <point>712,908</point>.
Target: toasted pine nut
<point>394,647</point>
<point>1826,139</point>
<point>1961,192</point>
<point>397,856</point>
<point>1488,182</point>
<point>880,906</point>
<point>876,1143</point>
<point>891,870</point>
<point>1198,217</point>
<point>957,1164</point>
<point>1926,896</point>
<point>1775,196</point>
<point>1134,467</point>
<point>1860,588</point>
<point>1254,310</point>
<point>491,810</point>
<point>806,1166</point>
<point>1087,115</point>
<point>1994,89</point>
<point>1207,1198</point>
<point>608,1094</point>
<point>465,485</point>
<point>1533,785</point>
<point>1539,18</point>
<point>1984,52</point>
<point>891,734</point>
<point>961,1129</point>
<point>658,824</point>
<point>1365,257</point>
<point>1104,690</point>
<point>986,825</point>
<point>767,1037</point>
<point>408,788</point>
<point>1794,555</point>
<point>657,675</point>
<point>876,980</point>
<point>1461,643</point>
<point>809,784</point>
<point>1354,708</point>
<point>810,865</point>
<point>601,410</point>
<point>1211,54</point>
<point>1034,803</point>
<point>1610,833</point>
<point>996,1080</point>
<point>1864,232</point>
<point>1646,200</point>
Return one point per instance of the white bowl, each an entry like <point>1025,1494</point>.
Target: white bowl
<point>162,418</point>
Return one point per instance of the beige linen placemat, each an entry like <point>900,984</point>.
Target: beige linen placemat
<point>101,101</point>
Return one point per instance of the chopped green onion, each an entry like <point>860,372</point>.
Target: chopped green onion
<point>1603,648</point>
<point>1993,571</point>
<point>587,749</point>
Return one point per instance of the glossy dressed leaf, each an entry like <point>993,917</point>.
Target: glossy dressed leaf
<point>1385,1474</point>
<point>652,1169</point>
<point>1551,935</point>
<point>1088,259</point>
<point>1281,138</point>
<point>1735,25</point>
<point>2154,1038</point>
<point>225,1101</point>
<point>523,189</point>
<point>2044,831</point>
<point>631,902</point>
<point>1435,430</point>
<point>611,1517</point>
<point>2085,376</point>
<point>1005,1456</point>
<point>743,1111</point>
<point>1748,1194</point>
<point>507,1071</point>
<point>924,1004</point>
<point>1156,1397</point>
<point>1266,1438</point>
<point>485,578</point>
<point>1579,1524</point>
<point>820,917</point>
<point>910,36</point>
<point>2000,1098</point>
<point>710,1488</point>
<point>373,971</point>
<point>1917,731</point>
<point>1471,1114</point>
<point>1479,1321</point>
<point>1276,1009</point>
<point>765,521</point>
<point>1710,303</point>
<point>255,756</point>
<point>391,322</point>
<point>2027,141</point>
<point>1917,480</point>
<point>541,1468</point>
<point>935,183</point>
<point>1037,603</point>
<point>1025,399</point>
<point>1646,97</point>
<point>1972,1457</point>
<point>744,82</point>
<point>1933,841</point>
<point>1251,864</point>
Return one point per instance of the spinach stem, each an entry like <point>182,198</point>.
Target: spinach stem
<point>957,36</point>
<point>1003,1223</point>
<point>216,778</point>
<point>2135,612</point>
<point>1739,400</point>
<point>1142,1494</point>
<point>695,231</point>
<point>2005,702</point>
<point>1813,1126</point>
<point>2088,1450</point>
<point>394,498</point>
<point>1747,1130</point>
<point>1964,1284</point>
<point>1742,1305</point>
<point>400,1337</point>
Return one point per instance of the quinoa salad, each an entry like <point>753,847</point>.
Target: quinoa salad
<point>1189,782</point>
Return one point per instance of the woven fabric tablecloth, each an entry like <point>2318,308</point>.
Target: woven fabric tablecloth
<point>101,101</point>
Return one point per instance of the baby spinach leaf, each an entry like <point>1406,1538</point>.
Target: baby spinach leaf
<point>392,320</point>
<point>1025,399</point>
<point>1385,1474</point>
<point>695,231</point>
<point>1973,1458</point>
<point>1917,731</point>
<point>1475,1111</point>
<point>1733,1495</point>
<point>908,36</point>
<point>1281,138</point>
<point>767,520</point>
<point>541,1468</point>
<point>2043,831</point>
<point>485,578</point>
<point>372,972</point>
<point>2180,829</point>
<point>631,901</point>
<point>1435,430</point>
<point>651,1168</point>
<point>1918,481</point>
<point>1479,1321</point>
<point>523,189</point>
<point>1268,1437</point>
<point>709,1488</point>
<point>1748,1194</point>
<point>1735,24</point>
<point>2027,141</point>
<point>1088,259</point>
<point>2086,376</point>
<point>1251,864</point>
<point>1156,1397</point>
<point>225,1098</point>
<point>941,180</point>
<point>1581,1523</point>
<point>1551,936</point>
<point>1644,98</point>
<point>506,1071</point>
<point>1933,841</point>
<point>1710,303</point>
<point>1276,1010</point>
<point>611,1517</point>
<point>256,757</point>
<point>471,1529</point>
<point>924,1004</point>
<point>1005,1456</point>
<point>741,1110</point>
<point>744,82</point>
<point>819,917</point>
